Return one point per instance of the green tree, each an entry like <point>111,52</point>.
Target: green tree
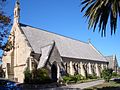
<point>27,76</point>
<point>107,74</point>
<point>40,76</point>
<point>99,11</point>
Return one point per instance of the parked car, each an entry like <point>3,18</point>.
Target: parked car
<point>6,84</point>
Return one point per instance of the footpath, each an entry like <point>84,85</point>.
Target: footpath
<point>85,85</point>
<point>68,87</point>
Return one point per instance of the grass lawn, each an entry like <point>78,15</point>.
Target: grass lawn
<point>83,81</point>
<point>112,85</point>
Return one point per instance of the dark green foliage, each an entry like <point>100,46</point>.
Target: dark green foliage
<point>107,74</point>
<point>40,76</point>
<point>89,76</point>
<point>27,75</point>
<point>74,78</point>
<point>66,79</point>
<point>37,76</point>
<point>114,74</point>
<point>98,12</point>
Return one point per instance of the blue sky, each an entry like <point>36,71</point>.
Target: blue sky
<point>64,17</point>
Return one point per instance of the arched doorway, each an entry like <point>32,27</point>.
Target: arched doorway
<point>54,72</point>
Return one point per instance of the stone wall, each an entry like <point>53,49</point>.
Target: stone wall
<point>83,66</point>
<point>55,58</point>
<point>21,52</point>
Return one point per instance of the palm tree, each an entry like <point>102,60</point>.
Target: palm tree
<point>98,12</point>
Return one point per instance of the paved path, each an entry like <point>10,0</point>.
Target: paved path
<point>73,86</point>
<point>85,85</point>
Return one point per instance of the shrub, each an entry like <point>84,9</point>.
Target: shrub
<point>90,76</point>
<point>76,78</point>
<point>40,76</point>
<point>82,77</point>
<point>114,74</point>
<point>27,75</point>
<point>66,79</point>
<point>37,76</point>
<point>107,74</point>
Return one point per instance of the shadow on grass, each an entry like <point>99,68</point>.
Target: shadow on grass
<point>109,88</point>
<point>105,88</point>
<point>112,87</point>
<point>117,80</point>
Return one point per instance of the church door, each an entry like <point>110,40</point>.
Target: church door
<point>54,72</point>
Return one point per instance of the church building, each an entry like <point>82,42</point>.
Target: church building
<point>36,48</point>
<point>113,64</point>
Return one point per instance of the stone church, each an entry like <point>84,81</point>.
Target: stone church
<point>113,64</point>
<point>32,47</point>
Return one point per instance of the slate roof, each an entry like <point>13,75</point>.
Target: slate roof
<point>67,47</point>
<point>112,61</point>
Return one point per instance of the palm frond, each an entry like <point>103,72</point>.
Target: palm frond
<point>98,13</point>
<point>88,2</point>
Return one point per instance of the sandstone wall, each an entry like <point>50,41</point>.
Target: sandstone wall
<point>21,54</point>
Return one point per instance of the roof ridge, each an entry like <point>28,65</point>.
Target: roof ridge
<point>97,50</point>
<point>53,33</point>
<point>109,56</point>
<point>64,44</point>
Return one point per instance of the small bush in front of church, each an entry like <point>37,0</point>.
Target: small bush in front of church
<point>71,78</point>
<point>90,76</point>
<point>66,79</point>
<point>76,78</point>
<point>37,76</point>
<point>114,74</point>
<point>107,74</point>
<point>40,76</point>
<point>27,75</point>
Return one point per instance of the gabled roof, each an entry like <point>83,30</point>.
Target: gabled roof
<point>45,54</point>
<point>67,47</point>
<point>112,61</point>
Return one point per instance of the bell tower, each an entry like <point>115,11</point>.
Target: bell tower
<point>17,12</point>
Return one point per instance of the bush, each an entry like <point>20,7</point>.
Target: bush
<point>74,78</point>
<point>27,75</point>
<point>37,76</point>
<point>114,74</point>
<point>107,74</point>
<point>40,76</point>
<point>66,79</point>
<point>90,76</point>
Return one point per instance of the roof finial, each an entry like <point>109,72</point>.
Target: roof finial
<point>89,40</point>
<point>17,12</point>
